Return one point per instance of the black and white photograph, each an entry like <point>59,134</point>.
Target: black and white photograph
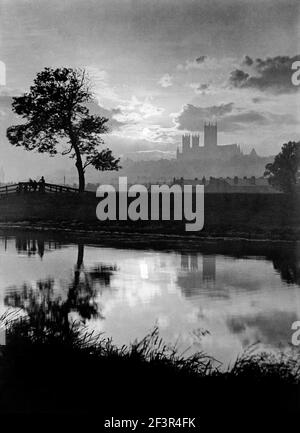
<point>150,214</point>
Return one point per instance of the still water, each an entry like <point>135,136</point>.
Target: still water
<point>239,296</point>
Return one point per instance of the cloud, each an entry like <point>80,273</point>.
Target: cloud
<point>238,78</point>
<point>100,85</point>
<point>135,110</point>
<point>272,74</point>
<point>257,100</point>
<point>201,59</point>
<point>121,144</point>
<point>151,133</point>
<point>280,119</point>
<point>110,114</point>
<point>206,63</point>
<point>202,89</point>
<point>229,117</point>
<point>203,86</point>
<point>249,116</point>
<point>192,117</point>
<point>248,61</point>
<point>166,80</point>
<point>140,118</point>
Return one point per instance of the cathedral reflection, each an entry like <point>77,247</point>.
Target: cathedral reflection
<point>209,268</point>
<point>197,271</point>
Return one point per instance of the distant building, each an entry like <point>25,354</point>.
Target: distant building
<point>211,151</point>
<point>230,185</point>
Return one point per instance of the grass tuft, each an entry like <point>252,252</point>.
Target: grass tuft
<point>49,368</point>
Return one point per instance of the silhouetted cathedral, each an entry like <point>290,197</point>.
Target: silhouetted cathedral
<point>192,150</point>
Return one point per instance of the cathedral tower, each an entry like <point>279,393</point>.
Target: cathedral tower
<point>210,135</point>
<point>186,143</point>
<point>195,141</point>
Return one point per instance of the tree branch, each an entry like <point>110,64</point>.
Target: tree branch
<point>66,152</point>
<point>87,163</point>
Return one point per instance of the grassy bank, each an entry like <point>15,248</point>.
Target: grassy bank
<point>251,216</point>
<point>47,369</point>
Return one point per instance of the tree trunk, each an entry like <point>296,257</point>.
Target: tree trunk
<point>80,175</point>
<point>80,253</point>
<point>78,164</point>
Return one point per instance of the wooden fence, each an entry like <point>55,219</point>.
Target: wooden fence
<point>29,187</point>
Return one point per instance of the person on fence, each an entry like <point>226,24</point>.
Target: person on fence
<point>42,184</point>
<point>30,184</point>
<point>19,188</point>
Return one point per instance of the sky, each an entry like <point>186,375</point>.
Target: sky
<point>159,68</point>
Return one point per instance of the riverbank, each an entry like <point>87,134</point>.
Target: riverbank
<point>239,216</point>
<point>52,369</point>
<point>149,233</point>
<point>76,233</point>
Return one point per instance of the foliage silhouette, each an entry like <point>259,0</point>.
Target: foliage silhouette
<point>50,308</point>
<point>55,110</point>
<point>282,173</point>
<point>80,372</point>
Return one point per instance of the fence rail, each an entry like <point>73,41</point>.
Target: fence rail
<point>29,187</point>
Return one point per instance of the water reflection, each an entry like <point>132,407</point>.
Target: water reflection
<point>28,245</point>
<point>240,294</point>
<point>209,268</point>
<point>193,276</point>
<point>101,274</point>
<point>48,302</point>
<point>190,263</point>
<point>273,327</point>
<point>287,263</point>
